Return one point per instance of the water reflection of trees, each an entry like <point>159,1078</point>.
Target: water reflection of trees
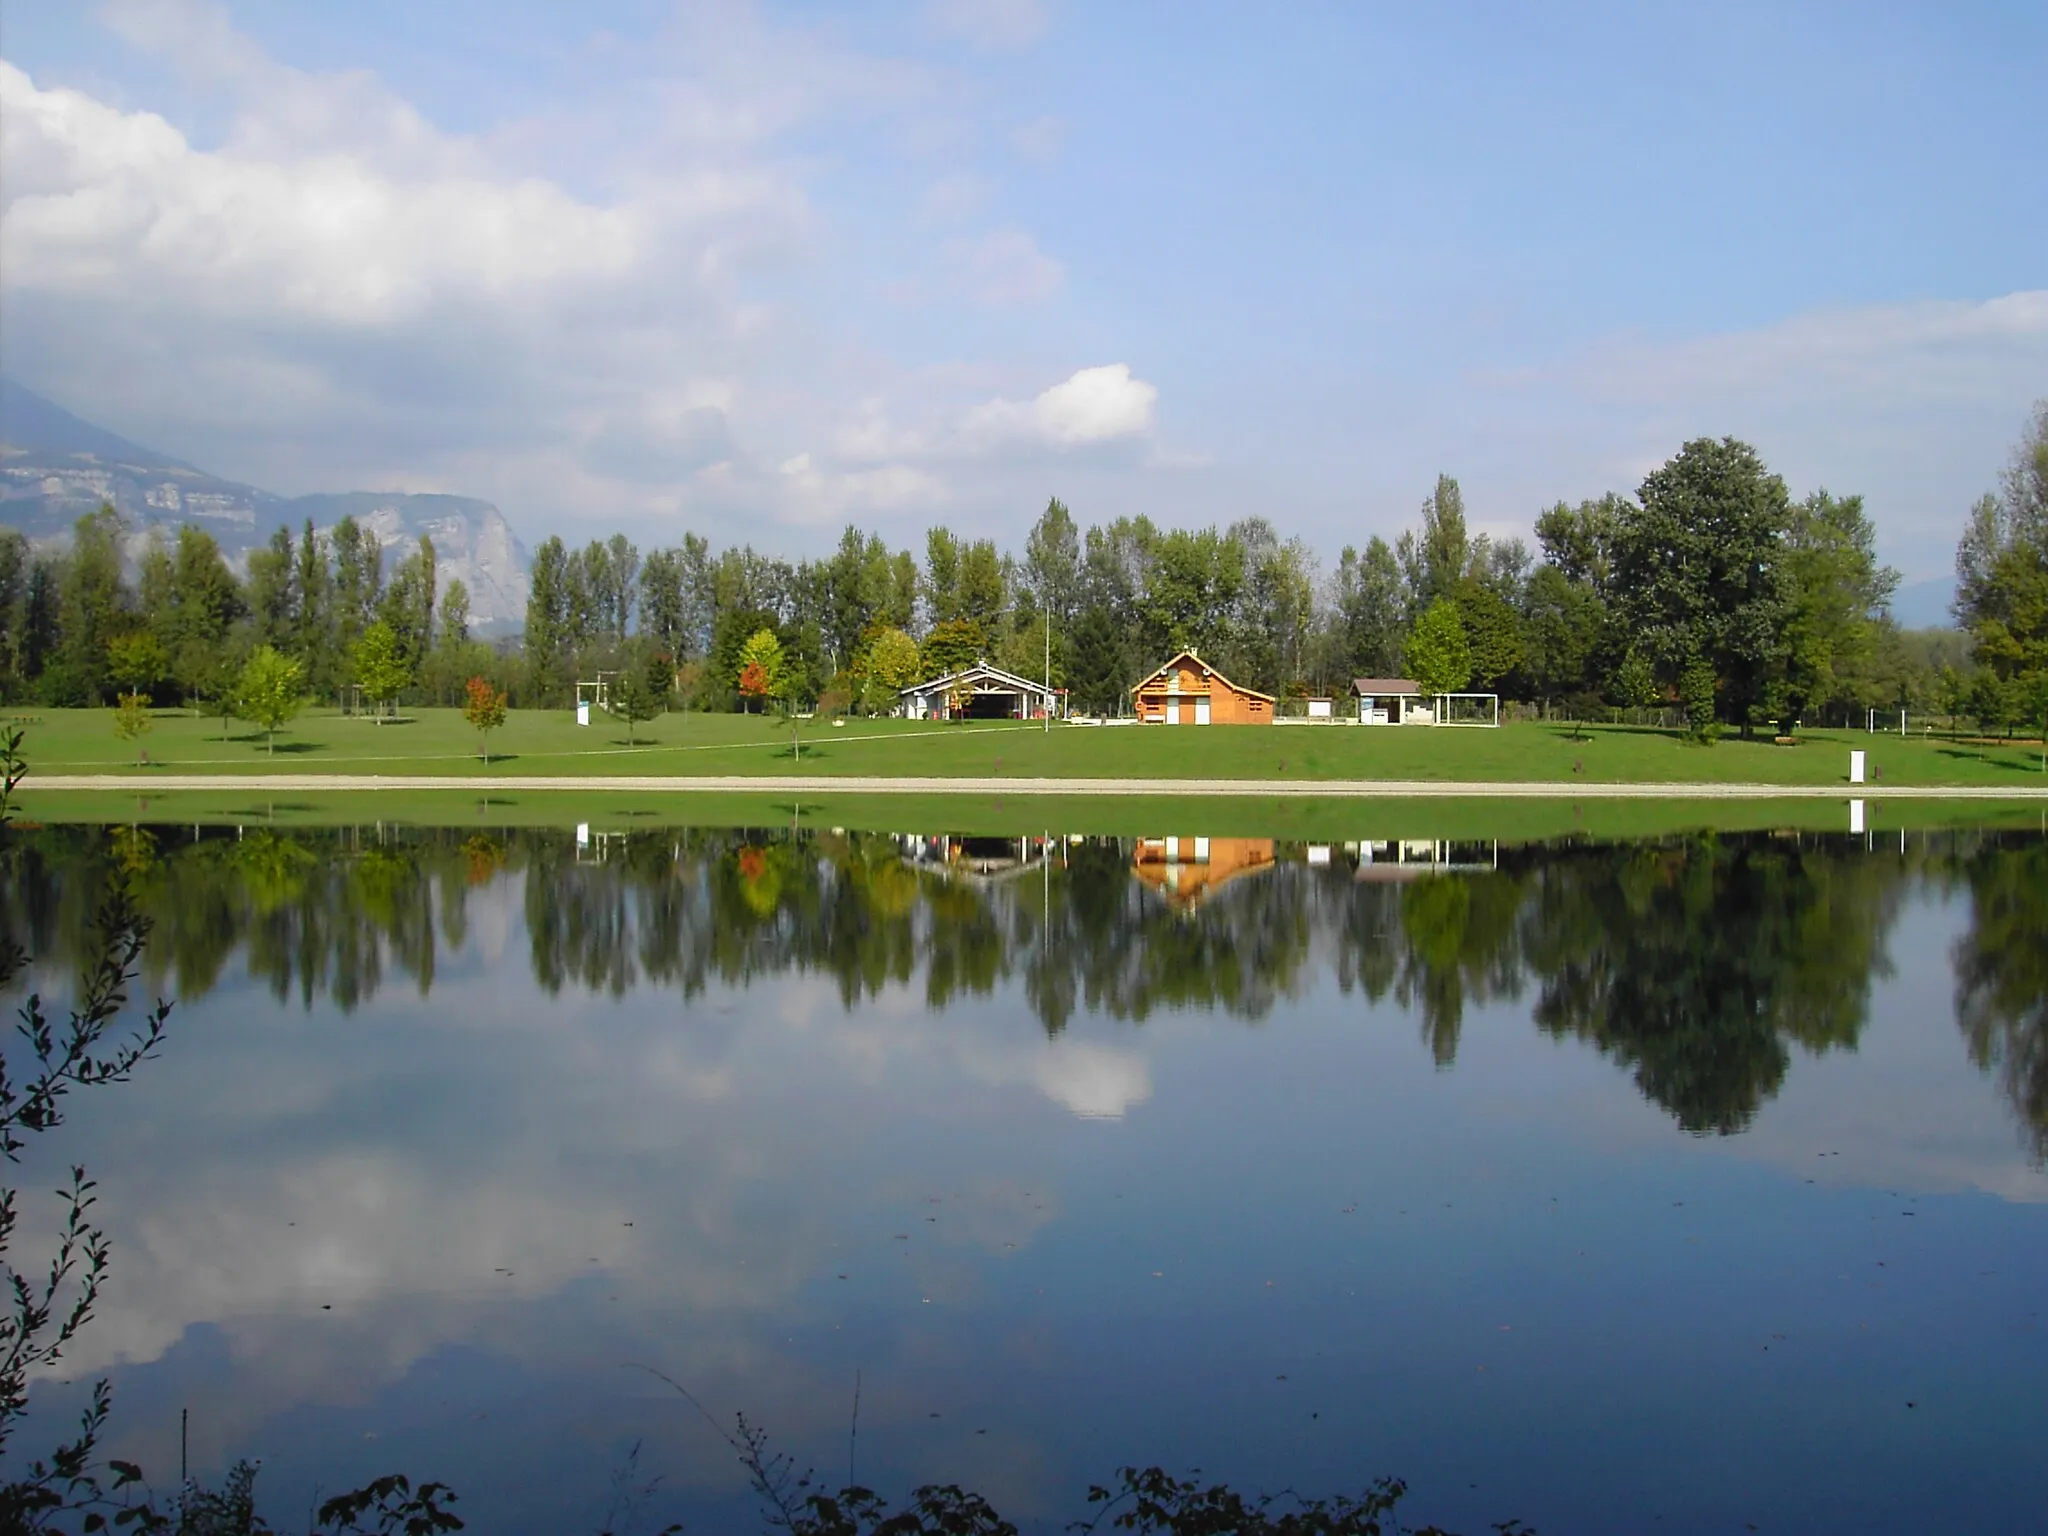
<point>1697,963</point>
<point>2001,970</point>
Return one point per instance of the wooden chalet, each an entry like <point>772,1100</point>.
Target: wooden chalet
<point>1188,691</point>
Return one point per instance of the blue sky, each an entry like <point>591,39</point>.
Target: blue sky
<point>756,270</point>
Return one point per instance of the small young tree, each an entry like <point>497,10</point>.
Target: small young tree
<point>132,719</point>
<point>380,665</point>
<point>754,684</point>
<point>1635,683</point>
<point>761,666</point>
<point>270,692</point>
<point>484,708</point>
<point>635,698</point>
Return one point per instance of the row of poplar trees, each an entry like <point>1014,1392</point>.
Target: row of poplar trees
<point>172,619</point>
<point>1711,591</point>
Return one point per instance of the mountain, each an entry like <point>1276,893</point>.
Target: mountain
<point>56,467</point>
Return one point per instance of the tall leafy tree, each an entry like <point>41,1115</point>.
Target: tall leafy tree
<point>16,562</point>
<point>622,570</point>
<point>1052,563</point>
<point>984,587</point>
<point>2002,566</point>
<point>1563,628</point>
<point>1493,631</point>
<point>1439,556</point>
<point>941,576</point>
<point>1698,567</point>
<point>95,602</point>
<point>663,616</point>
<point>1836,605</point>
<point>1579,541</point>
<point>358,580</point>
<point>313,636</point>
<point>407,608</point>
<point>548,654</point>
<point>273,599</point>
<point>1439,655</point>
<point>200,611</point>
<point>1368,611</point>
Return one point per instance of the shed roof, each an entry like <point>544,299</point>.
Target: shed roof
<point>1384,687</point>
<point>981,670</point>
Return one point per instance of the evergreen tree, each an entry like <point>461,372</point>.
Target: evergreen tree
<point>1096,673</point>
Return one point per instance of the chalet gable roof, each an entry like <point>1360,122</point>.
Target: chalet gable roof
<point>1204,668</point>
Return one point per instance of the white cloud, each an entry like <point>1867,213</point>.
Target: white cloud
<point>992,24</point>
<point>98,196</point>
<point>1094,405</point>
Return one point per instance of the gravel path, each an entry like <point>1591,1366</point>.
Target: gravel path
<point>1292,789</point>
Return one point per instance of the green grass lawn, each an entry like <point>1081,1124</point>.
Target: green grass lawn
<point>438,741</point>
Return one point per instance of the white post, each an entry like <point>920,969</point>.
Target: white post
<point>1856,773</point>
<point>1902,722</point>
<point>1855,815</point>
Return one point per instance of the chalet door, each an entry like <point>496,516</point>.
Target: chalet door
<point>1201,711</point>
<point>1173,711</point>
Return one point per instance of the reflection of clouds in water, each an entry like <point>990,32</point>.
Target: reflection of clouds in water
<point>1093,1081</point>
<point>896,1032</point>
<point>426,1169</point>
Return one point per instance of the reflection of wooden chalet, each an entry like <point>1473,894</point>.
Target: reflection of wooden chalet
<point>1187,871</point>
<point>1188,691</point>
<point>980,692</point>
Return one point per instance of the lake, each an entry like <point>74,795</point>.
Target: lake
<point>1689,1184</point>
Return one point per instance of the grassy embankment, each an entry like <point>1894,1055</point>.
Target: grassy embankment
<point>437,742</point>
<point>1309,820</point>
<point>548,742</point>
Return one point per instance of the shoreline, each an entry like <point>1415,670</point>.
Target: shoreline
<point>1353,789</point>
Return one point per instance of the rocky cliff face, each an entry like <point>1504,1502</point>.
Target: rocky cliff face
<point>55,468</point>
<point>472,542</point>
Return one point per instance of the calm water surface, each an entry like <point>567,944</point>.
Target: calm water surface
<point>1692,1185</point>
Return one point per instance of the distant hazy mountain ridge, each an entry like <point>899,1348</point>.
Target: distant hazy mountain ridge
<point>55,468</point>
